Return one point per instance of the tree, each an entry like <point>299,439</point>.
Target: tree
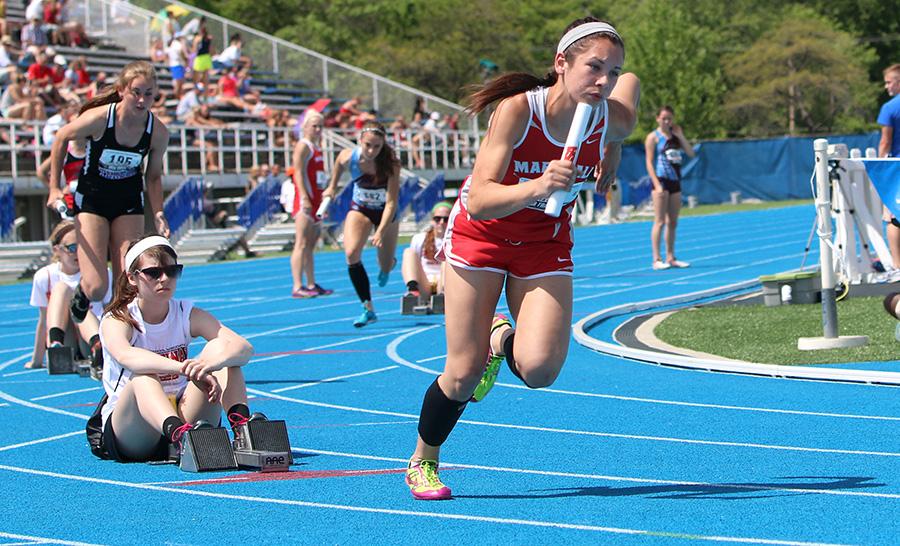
<point>803,76</point>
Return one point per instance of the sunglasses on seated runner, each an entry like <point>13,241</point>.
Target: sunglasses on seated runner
<point>172,271</point>
<point>71,249</point>
<point>440,218</point>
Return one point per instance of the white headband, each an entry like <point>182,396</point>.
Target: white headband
<point>581,31</point>
<point>142,245</point>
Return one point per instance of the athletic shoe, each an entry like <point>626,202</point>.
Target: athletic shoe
<point>897,332</point>
<point>492,366</point>
<point>322,291</point>
<point>679,264</point>
<point>659,265</point>
<point>383,276</point>
<point>423,481</point>
<point>304,292</point>
<point>79,306</point>
<point>236,420</point>
<point>367,317</point>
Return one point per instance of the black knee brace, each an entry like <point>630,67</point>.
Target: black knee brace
<point>439,415</point>
<point>360,280</point>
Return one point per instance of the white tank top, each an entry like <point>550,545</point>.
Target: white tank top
<point>170,338</point>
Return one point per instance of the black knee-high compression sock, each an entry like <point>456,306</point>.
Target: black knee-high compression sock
<point>439,415</point>
<point>360,280</point>
<point>56,335</point>
<point>511,360</point>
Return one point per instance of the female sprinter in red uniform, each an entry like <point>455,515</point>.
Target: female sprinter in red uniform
<point>499,234</point>
<point>120,132</point>
<point>309,181</point>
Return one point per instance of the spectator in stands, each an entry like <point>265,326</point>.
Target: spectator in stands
<point>430,134</point>
<point>44,79</point>
<point>422,272</point>
<point>288,193</point>
<point>231,56</point>
<point>189,101</point>
<point>33,34</point>
<point>97,86</point>
<point>52,22</point>
<point>203,49</point>
<point>309,181</point>
<point>375,175</point>
<point>114,185</point>
<point>170,27</point>
<point>247,93</point>
<point>200,117</point>
<point>228,91</point>
<point>158,51</point>
<point>35,10</point>
<point>420,114</point>
<point>51,292</point>
<point>77,73</point>
<point>398,130</point>
<point>8,60</point>
<point>889,146</point>
<point>176,55</point>
<point>348,112</point>
<point>20,102</point>
<point>190,30</point>
<point>666,144</point>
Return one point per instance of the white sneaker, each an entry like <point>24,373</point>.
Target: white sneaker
<point>660,265</point>
<point>679,263</point>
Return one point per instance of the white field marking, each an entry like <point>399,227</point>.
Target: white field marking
<point>395,512</point>
<point>694,276</point>
<point>10,362</point>
<point>602,477</point>
<point>336,344</point>
<point>27,404</point>
<point>42,440</point>
<point>24,372</point>
<point>698,259</point>
<point>588,432</point>
<point>43,540</point>
<point>337,378</point>
<point>67,393</point>
<point>429,359</point>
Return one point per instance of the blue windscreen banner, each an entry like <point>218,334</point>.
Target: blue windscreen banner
<point>7,211</point>
<point>885,176</point>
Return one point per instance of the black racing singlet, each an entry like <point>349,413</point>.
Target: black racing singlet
<point>109,166</point>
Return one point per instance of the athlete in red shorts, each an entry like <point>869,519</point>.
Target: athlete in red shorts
<point>499,234</point>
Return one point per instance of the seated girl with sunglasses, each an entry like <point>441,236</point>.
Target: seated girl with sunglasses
<point>156,393</point>
<point>51,292</point>
<point>422,272</point>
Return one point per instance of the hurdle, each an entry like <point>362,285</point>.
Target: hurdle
<point>823,164</point>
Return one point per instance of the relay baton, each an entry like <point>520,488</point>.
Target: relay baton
<point>570,153</point>
<point>323,208</point>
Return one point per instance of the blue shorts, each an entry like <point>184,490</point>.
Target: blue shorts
<point>177,72</point>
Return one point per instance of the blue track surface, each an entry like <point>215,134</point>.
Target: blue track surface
<point>614,451</point>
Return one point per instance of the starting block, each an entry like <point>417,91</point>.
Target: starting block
<point>207,448</point>
<point>60,360</point>
<point>410,305</point>
<point>263,445</point>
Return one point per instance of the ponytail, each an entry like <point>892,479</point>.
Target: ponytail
<point>429,249</point>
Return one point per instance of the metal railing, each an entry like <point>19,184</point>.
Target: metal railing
<point>133,25</point>
<point>193,150</point>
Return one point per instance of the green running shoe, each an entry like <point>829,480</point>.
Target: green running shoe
<point>492,366</point>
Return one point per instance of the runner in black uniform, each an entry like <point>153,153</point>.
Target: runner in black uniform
<point>119,131</point>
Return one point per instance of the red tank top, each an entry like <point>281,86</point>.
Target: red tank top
<point>530,158</point>
<point>315,175</point>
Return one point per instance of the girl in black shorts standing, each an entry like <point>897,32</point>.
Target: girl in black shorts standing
<point>666,143</point>
<point>119,132</point>
<point>375,173</point>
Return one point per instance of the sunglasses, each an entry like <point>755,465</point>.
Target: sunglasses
<point>172,271</point>
<point>71,249</point>
<point>440,218</point>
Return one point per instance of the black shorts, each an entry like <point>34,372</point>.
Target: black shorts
<point>159,453</point>
<point>374,215</point>
<point>670,186</point>
<point>109,205</point>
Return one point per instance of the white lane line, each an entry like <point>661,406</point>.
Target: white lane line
<point>27,404</point>
<point>395,512</point>
<point>337,378</point>
<point>67,393</point>
<point>16,349</point>
<point>328,346</point>
<point>42,440</point>
<point>602,477</point>
<point>590,433</point>
<point>24,372</point>
<point>429,359</point>
<point>44,540</point>
<point>7,363</point>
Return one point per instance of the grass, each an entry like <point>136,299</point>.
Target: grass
<point>769,334</point>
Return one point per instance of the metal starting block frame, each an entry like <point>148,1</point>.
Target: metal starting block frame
<point>263,445</point>
<point>410,305</point>
<point>207,449</point>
